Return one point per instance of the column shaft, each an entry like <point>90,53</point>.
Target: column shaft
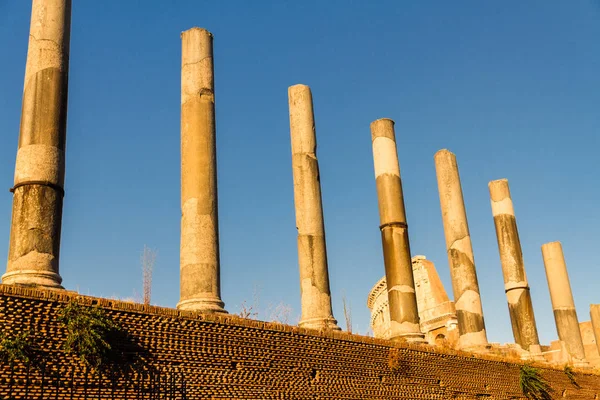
<point>565,315</point>
<point>404,315</point>
<point>199,255</point>
<point>471,325</point>
<point>33,255</point>
<point>312,252</point>
<point>513,268</point>
<point>595,316</point>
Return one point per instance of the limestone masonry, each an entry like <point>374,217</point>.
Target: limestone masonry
<point>404,315</point>
<point>33,254</point>
<point>312,251</point>
<point>437,314</point>
<point>513,268</point>
<point>199,267</point>
<point>465,286</point>
<point>563,305</point>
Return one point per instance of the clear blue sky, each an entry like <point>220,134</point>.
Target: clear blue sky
<point>512,88</point>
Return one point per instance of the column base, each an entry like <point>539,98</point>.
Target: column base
<point>410,338</point>
<point>581,364</point>
<point>406,332</point>
<point>320,323</point>
<point>534,353</point>
<point>477,349</point>
<point>473,341</point>
<point>34,278</point>
<point>202,305</point>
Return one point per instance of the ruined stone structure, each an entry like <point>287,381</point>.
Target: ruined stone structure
<point>33,255</point>
<point>312,251</point>
<point>437,315</point>
<point>511,257</point>
<point>557,352</point>
<point>465,286</point>
<point>404,315</point>
<point>199,256</point>
<point>590,346</point>
<point>565,316</point>
<point>222,356</point>
<point>378,303</point>
<point>595,319</point>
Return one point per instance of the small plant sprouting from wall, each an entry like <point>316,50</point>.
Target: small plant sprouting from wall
<point>533,385</point>
<point>395,361</point>
<point>88,333</point>
<point>251,311</point>
<point>571,375</point>
<point>16,348</point>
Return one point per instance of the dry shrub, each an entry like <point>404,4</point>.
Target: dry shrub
<point>395,361</point>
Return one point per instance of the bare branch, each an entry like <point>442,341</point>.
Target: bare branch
<point>347,313</point>
<point>148,260</point>
<point>247,311</point>
<point>279,313</point>
<point>251,311</point>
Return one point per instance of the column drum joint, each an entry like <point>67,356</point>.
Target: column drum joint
<point>39,183</point>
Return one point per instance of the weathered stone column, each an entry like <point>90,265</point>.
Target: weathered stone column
<point>404,315</point>
<point>511,257</point>
<point>312,251</point>
<point>33,255</point>
<point>465,286</point>
<point>563,305</point>
<point>595,316</point>
<point>199,258</point>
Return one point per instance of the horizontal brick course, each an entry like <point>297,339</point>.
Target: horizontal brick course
<point>226,357</point>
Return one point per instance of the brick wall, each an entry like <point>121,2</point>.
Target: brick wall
<point>226,357</point>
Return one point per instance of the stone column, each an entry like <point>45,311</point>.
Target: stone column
<point>199,255</point>
<point>511,257</point>
<point>33,254</point>
<point>595,316</point>
<point>312,251</point>
<point>404,315</point>
<point>465,286</point>
<point>563,305</point>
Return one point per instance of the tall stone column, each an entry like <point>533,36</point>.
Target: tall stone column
<point>563,305</point>
<point>595,316</point>
<point>312,252</point>
<point>511,257</point>
<point>404,315</point>
<point>469,312</point>
<point>199,255</point>
<point>33,255</point>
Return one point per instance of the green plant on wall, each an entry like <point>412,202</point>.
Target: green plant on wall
<point>89,332</point>
<point>571,375</point>
<point>533,385</point>
<point>15,348</point>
